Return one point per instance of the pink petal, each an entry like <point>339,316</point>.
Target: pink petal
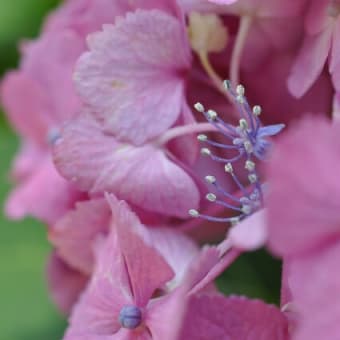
<point>44,195</point>
<point>27,115</point>
<point>304,168</point>
<point>251,233</point>
<point>141,175</point>
<point>177,248</point>
<point>135,82</point>
<point>315,285</point>
<point>310,62</point>
<point>146,268</point>
<point>128,272</point>
<point>75,234</point>
<point>65,283</point>
<point>211,317</point>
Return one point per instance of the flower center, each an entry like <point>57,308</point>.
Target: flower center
<point>130,317</point>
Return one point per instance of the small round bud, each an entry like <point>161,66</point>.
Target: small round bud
<point>211,197</point>
<point>228,168</point>
<point>130,317</point>
<point>210,179</point>
<point>250,165</point>
<point>252,178</point>
<point>212,114</point>
<point>205,152</point>
<point>243,124</point>
<point>257,110</point>
<point>193,213</point>
<point>227,84</point>
<point>246,209</point>
<point>248,146</point>
<point>202,138</point>
<point>240,90</point>
<point>199,107</point>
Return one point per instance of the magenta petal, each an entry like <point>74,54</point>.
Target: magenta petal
<point>141,175</point>
<point>146,268</point>
<point>310,62</point>
<point>75,234</point>
<point>304,167</point>
<point>134,82</point>
<point>214,317</point>
<point>315,285</point>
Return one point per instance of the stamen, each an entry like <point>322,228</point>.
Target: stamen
<point>249,139</point>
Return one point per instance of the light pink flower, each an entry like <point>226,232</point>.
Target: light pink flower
<point>120,300</point>
<point>43,105</point>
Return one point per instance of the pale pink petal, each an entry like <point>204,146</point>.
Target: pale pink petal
<point>304,168</point>
<point>141,175</point>
<point>50,62</point>
<point>133,81</point>
<point>27,114</point>
<point>214,317</point>
<point>315,285</point>
<point>75,234</point>
<point>27,161</point>
<point>223,2</point>
<point>44,195</point>
<point>65,283</point>
<point>310,62</point>
<point>147,269</point>
<point>251,233</point>
<point>177,248</point>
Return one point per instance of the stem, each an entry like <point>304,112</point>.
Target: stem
<point>216,79</point>
<point>184,130</point>
<point>241,37</point>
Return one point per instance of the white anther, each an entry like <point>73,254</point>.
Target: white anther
<point>234,220</point>
<point>243,124</point>
<point>257,110</point>
<point>202,138</point>
<point>199,107</point>
<point>212,114</point>
<point>210,179</point>
<point>252,178</point>
<point>228,168</point>
<point>227,84</point>
<point>211,197</point>
<point>193,213</point>
<point>244,200</point>
<point>240,90</point>
<point>246,209</point>
<point>205,152</point>
<point>250,165</point>
<point>240,99</point>
<point>237,141</point>
<point>248,146</point>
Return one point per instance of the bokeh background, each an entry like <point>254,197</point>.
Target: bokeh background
<point>26,313</point>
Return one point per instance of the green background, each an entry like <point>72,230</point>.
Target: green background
<point>26,312</point>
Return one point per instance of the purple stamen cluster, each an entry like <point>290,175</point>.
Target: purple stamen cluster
<point>249,142</point>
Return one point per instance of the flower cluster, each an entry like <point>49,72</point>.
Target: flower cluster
<point>111,161</point>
